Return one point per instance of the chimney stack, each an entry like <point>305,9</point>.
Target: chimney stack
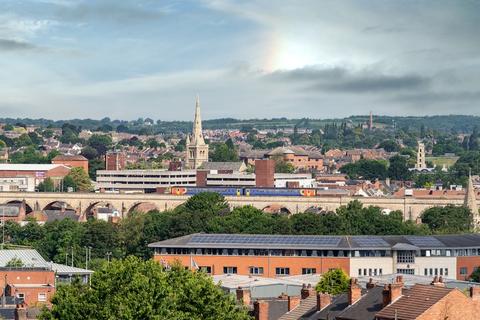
<point>323,301</point>
<point>392,291</point>
<point>307,291</point>
<point>438,282</point>
<point>260,310</point>
<point>20,312</point>
<point>475,293</point>
<point>370,284</point>
<point>243,296</point>
<point>293,302</point>
<point>354,291</point>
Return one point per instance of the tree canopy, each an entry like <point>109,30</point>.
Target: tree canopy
<point>333,282</point>
<point>449,219</point>
<point>136,289</point>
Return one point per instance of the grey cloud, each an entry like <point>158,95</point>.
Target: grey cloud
<point>108,11</point>
<point>344,80</point>
<point>14,45</point>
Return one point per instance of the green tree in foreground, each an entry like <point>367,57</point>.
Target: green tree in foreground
<point>333,282</point>
<point>475,276</point>
<point>136,289</point>
<point>80,179</point>
<point>46,185</point>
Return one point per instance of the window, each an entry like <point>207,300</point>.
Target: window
<point>463,271</point>
<point>206,269</point>
<point>380,271</point>
<point>436,271</point>
<point>425,272</point>
<point>369,272</point>
<point>431,271</point>
<point>230,270</point>
<point>309,270</point>
<point>406,271</point>
<point>21,295</point>
<point>282,271</point>
<point>42,297</point>
<point>364,272</point>
<point>405,257</point>
<point>446,271</point>
<point>256,270</point>
<point>359,272</point>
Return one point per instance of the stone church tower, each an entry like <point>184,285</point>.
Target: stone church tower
<point>197,149</point>
<point>471,203</point>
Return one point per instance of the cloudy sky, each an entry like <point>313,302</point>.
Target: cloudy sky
<point>63,59</point>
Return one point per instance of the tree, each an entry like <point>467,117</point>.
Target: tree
<point>448,219</point>
<point>366,169</point>
<point>100,142</point>
<point>475,276</point>
<point>89,152</point>
<point>80,179</point>
<point>15,263</point>
<point>46,185</point>
<point>398,169</point>
<point>136,289</point>
<point>209,203</point>
<point>389,145</point>
<point>333,282</point>
<point>283,166</point>
<point>224,152</point>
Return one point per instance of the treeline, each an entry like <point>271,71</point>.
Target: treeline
<point>208,212</point>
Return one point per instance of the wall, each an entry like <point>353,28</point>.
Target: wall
<point>436,262</point>
<point>29,282</point>
<point>322,264</point>
<point>73,163</point>
<point>385,263</point>
<point>470,263</point>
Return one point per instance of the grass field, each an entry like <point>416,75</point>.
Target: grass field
<point>440,161</point>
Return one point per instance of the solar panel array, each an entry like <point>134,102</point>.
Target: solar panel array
<point>370,242</point>
<point>325,241</point>
<point>422,241</point>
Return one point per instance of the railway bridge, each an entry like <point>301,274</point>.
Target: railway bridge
<point>83,203</point>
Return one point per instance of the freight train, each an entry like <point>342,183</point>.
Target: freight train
<point>241,191</point>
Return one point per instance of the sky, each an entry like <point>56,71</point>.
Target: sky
<point>64,59</point>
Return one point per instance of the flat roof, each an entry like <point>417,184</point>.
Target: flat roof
<point>321,242</point>
<point>29,166</point>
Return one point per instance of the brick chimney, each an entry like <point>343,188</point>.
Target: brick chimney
<point>307,291</point>
<point>392,291</point>
<point>323,301</point>
<point>370,284</point>
<point>260,310</point>
<point>438,282</point>
<point>354,291</point>
<point>243,296</point>
<point>20,312</point>
<point>475,293</point>
<point>293,302</point>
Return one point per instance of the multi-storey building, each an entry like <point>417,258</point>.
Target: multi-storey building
<point>450,256</point>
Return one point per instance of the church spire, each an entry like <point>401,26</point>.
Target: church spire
<point>471,203</point>
<point>197,136</point>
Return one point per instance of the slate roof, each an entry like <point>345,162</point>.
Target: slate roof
<point>366,307</point>
<point>418,300</point>
<point>263,241</point>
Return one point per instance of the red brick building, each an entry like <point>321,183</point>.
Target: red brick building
<point>73,161</point>
<point>115,160</point>
<point>39,172</point>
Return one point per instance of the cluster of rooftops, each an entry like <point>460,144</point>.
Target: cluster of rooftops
<point>406,242</point>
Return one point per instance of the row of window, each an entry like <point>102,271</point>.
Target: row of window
<point>42,297</point>
<point>436,271</point>
<point>280,271</point>
<point>371,272</point>
<point>464,271</point>
<point>265,252</point>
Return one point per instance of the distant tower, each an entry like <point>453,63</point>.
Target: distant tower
<point>471,203</point>
<point>197,149</point>
<point>420,165</point>
<point>370,124</point>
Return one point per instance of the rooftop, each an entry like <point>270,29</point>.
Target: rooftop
<point>28,167</point>
<point>69,157</point>
<point>262,241</point>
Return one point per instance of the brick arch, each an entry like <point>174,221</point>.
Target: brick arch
<point>90,210</point>
<point>59,204</point>
<point>143,206</point>
<point>28,207</point>
<point>276,208</point>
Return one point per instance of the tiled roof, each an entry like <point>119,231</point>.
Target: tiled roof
<point>305,306</point>
<point>67,157</point>
<point>366,307</point>
<point>411,305</point>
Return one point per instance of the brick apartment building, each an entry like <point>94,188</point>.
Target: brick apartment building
<point>449,256</point>
<point>39,172</point>
<point>73,161</point>
<point>298,157</point>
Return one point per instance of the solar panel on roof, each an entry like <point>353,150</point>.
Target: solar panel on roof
<point>370,242</point>
<point>267,239</point>
<point>422,241</point>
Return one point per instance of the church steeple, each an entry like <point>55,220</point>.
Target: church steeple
<point>471,203</point>
<point>197,135</point>
<point>197,149</point>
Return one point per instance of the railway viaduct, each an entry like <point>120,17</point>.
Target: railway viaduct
<point>83,203</point>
